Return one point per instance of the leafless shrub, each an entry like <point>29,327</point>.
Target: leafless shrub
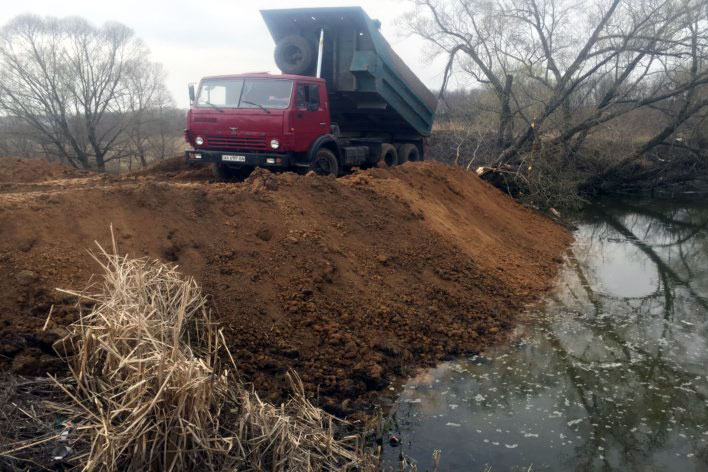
<point>461,143</point>
<point>547,182</point>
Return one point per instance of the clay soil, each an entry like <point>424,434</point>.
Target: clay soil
<point>352,282</point>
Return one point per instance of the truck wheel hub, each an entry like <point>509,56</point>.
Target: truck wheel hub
<point>293,55</point>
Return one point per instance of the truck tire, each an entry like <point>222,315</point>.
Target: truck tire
<point>408,152</point>
<point>224,172</point>
<point>294,55</point>
<point>389,156</point>
<point>325,163</point>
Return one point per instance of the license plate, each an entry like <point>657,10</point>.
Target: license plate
<point>232,158</point>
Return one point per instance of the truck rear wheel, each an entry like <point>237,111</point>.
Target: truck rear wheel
<point>325,163</point>
<point>294,55</point>
<point>408,152</point>
<point>389,156</point>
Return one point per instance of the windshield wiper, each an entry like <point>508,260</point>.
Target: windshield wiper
<point>259,106</point>
<point>214,106</point>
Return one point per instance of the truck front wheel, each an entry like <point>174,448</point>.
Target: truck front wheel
<point>325,163</point>
<point>224,172</point>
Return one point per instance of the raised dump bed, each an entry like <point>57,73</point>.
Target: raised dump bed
<point>372,91</point>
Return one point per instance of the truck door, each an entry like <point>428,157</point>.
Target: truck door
<point>311,116</point>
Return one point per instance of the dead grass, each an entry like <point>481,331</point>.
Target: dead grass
<point>149,400</point>
<point>294,436</point>
<point>150,390</point>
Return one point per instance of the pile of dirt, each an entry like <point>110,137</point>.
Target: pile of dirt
<point>15,170</point>
<point>351,282</point>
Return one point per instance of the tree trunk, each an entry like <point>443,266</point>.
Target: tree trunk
<point>83,159</point>
<point>100,163</point>
<point>163,146</point>
<point>506,119</point>
<point>141,156</point>
<point>682,116</point>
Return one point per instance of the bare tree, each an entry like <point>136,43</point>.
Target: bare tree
<point>71,82</point>
<point>166,131</point>
<point>476,29</point>
<point>147,98</point>
<point>563,70</point>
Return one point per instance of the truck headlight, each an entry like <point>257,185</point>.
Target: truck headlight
<point>199,140</point>
<point>274,143</point>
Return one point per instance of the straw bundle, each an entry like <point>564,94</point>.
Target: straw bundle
<point>150,401</point>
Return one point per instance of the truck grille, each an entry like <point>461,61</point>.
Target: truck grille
<point>235,142</point>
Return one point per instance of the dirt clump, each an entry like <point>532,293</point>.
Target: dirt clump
<point>351,282</point>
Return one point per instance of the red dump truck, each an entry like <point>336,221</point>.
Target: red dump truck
<point>344,99</point>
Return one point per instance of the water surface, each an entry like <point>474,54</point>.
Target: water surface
<point>610,373</point>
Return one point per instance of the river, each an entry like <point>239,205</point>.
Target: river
<point>608,373</point>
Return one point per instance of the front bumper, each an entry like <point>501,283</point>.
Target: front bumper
<point>255,159</point>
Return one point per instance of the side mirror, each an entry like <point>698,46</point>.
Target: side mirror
<point>192,96</point>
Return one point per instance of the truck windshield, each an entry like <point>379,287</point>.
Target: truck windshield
<point>245,93</point>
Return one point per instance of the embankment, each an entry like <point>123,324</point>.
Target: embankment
<point>350,281</point>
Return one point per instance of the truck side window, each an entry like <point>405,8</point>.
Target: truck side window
<point>313,97</point>
<point>300,96</point>
<point>307,97</point>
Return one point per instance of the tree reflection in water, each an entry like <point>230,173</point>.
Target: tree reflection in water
<point>610,373</point>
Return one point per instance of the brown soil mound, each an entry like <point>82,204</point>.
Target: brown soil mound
<point>349,281</point>
<point>15,170</point>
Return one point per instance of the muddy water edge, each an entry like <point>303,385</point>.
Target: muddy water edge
<point>609,373</point>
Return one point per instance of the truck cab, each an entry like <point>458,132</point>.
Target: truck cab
<point>238,122</point>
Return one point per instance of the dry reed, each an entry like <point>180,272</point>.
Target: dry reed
<point>295,436</point>
<point>145,362</point>
<point>149,390</point>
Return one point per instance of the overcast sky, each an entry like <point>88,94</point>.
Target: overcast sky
<point>197,38</point>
